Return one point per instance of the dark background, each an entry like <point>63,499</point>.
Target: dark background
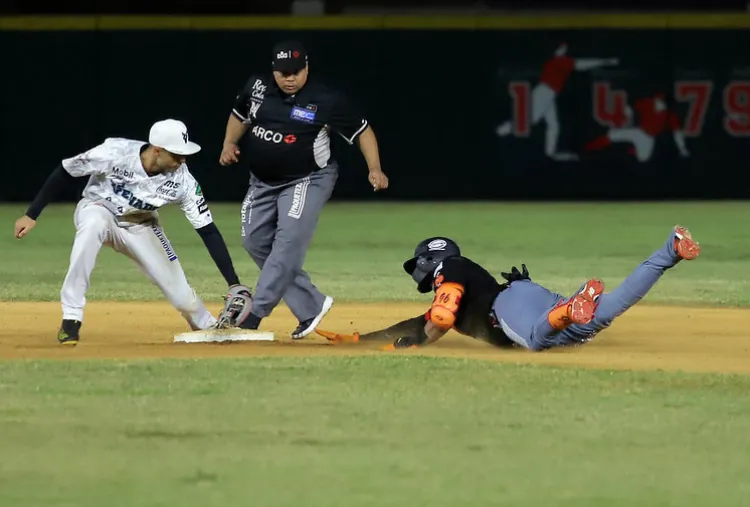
<point>341,6</point>
<point>434,99</point>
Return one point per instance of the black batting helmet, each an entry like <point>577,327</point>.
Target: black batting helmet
<point>427,256</point>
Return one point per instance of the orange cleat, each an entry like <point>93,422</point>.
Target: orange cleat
<point>583,305</point>
<point>579,309</point>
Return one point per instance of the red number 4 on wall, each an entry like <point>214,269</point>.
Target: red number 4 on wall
<point>610,105</point>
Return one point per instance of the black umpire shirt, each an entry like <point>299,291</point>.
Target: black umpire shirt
<point>288,136</point>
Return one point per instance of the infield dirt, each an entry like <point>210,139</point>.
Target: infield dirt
<point>645,338</point>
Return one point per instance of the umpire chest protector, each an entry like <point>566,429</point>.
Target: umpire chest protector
<point>289,136</point>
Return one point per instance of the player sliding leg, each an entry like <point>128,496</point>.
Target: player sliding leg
<point>581,317</point>
<point>531,315</point>
<point>678,247</point>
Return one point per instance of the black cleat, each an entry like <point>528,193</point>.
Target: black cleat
<point>68,334</point>
<point>252,322</point>
<point>302,330</point>
<point>308,326</point>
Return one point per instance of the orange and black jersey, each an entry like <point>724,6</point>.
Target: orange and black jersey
<point>464,293</point>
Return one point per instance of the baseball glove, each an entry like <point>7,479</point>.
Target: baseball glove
<point>516,275</point>
<point>238,303</point>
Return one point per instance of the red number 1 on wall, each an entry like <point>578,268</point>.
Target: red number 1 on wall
<point>519,92</point>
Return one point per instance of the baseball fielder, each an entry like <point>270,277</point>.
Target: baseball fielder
<point>128,181</point>
<point>654,118</point>
<point>555,74</point>
<point>520,312</point>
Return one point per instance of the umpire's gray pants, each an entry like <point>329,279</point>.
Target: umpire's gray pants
<point>278,223</point>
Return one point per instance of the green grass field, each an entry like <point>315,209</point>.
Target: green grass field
<point>358,249</point>
<point>379,430</point>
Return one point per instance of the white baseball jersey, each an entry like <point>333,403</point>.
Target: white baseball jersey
<point>118,181</point>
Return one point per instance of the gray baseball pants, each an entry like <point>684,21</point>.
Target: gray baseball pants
<point>523,307</point>
<point>278,223</point>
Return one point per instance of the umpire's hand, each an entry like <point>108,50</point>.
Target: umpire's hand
<point>378,179</point>
<point>229,154</point>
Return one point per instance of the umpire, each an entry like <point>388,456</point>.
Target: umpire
<point>289,119</point>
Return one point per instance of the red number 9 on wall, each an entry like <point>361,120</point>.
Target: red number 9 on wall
<point>737,107</point>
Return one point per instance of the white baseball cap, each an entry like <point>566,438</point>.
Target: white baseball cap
<point>172,135</point>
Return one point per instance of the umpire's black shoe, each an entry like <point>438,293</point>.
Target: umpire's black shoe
<point>68,334</point>
<point>308,326</point>
<point>252,322</point>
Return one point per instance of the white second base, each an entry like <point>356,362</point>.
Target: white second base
<point>224,335</point>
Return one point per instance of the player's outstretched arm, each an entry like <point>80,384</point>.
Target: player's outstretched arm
<point>430,334</point>
<point>413,332</point>
<point>413,326</point>
<point>197,212</point>
<point>410,327</point>
<point>217,249</point>
<point>59,180</point>
<point>594,63</point>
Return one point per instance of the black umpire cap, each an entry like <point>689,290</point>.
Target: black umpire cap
<point>289,57</point>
